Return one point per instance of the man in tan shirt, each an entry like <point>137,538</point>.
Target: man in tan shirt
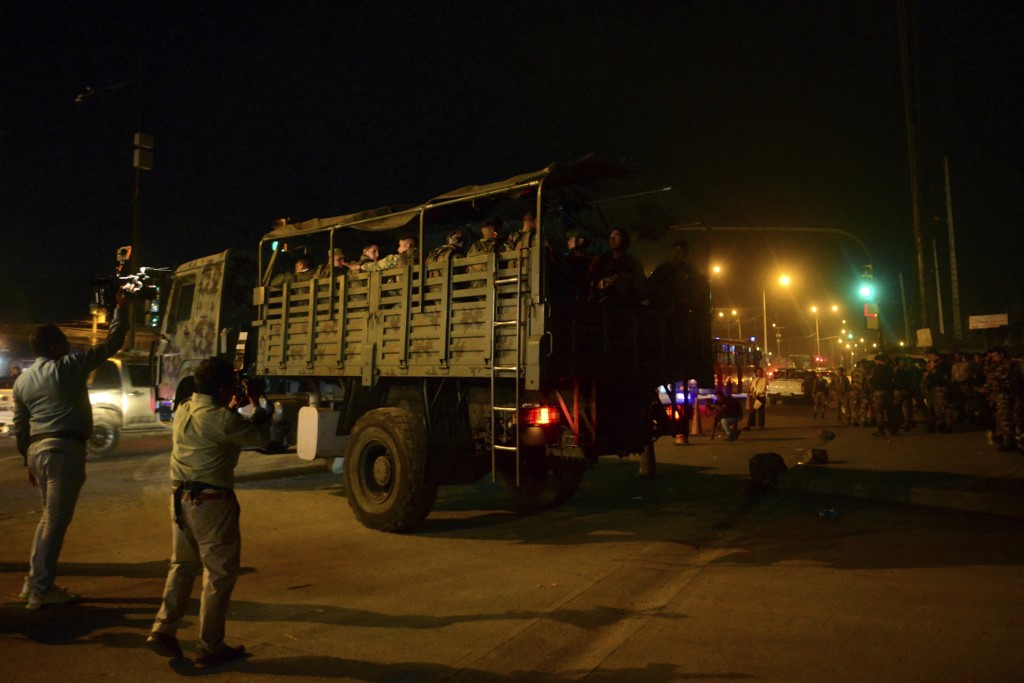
<point>207,439</point>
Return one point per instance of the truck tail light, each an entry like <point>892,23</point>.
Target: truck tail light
<point>540,416</point>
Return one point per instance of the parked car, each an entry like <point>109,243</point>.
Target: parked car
<point>6,405</point>
<point>787,384</point>
<point>123,399</point>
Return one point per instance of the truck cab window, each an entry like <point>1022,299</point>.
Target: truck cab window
<point>105,376</point>
<point>181,306</point>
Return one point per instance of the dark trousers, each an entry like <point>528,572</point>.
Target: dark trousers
<point>755,416</point>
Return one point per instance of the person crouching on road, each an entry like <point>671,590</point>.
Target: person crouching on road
<point>208,435</point>
<point>728,413</point>
<point>52,422</point>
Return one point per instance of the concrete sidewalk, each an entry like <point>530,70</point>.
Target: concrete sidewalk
<point>959,471</point>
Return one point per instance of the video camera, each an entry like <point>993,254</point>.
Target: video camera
<point>142,286</point>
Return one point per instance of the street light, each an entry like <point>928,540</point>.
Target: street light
<point>728,323</point>
<point>817,335</point>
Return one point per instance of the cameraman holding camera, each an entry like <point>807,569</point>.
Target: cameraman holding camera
<point>208,437</point>
<point>52,422</point>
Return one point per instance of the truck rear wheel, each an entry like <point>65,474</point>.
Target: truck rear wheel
<point>389,486</point>
<point>545,483</point>
<point>103,441</point>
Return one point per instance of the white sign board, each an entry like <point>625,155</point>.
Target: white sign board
<point>987,322</point>
<point>924,337</point>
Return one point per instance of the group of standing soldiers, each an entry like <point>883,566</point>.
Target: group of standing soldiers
<point>988,391</point>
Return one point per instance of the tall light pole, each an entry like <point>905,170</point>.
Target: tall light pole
<point>764,317</point>
<point>817,335</point>
<point>784,281</point>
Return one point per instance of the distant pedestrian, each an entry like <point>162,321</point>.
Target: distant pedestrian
<point>757,394</point>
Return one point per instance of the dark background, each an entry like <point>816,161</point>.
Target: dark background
<point>756,113</point>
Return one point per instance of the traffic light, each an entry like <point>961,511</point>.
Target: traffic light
<point>866,286</point>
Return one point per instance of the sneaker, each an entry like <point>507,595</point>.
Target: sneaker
<point>208,660</point>
<point>164,644</point>
<point>55,596</point>
<point>26,589</point>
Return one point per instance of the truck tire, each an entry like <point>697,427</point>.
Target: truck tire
<point>386,475</point>
<point>546,484</point>
<point>105,435</point>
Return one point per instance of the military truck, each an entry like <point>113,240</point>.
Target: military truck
<point>436,373</point>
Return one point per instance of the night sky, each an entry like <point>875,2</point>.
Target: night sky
<point>756,113</point>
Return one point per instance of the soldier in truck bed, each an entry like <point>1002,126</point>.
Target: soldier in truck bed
<point>454,247</point>
<point>407,254</point>
<point>618,276</point>
<point>303,272</point>
<point>491,240</point>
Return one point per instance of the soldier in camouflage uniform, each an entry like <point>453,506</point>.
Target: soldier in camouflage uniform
<point>856,392</point>
<point>903,393</point>
<point>881,383</point>
<point>454,247</point>
<point>407,254</point>
<point>490,243</point>
<point>1003,385</point>
<point>371,253</point>
<point>841,386</point>
<point>819,391</point>
<point>937,379</point>
<point>524,238</point>
<point>491,240</point>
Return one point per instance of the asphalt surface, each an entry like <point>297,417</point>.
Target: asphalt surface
<point>688,577</point>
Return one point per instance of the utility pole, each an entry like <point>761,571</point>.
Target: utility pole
<point>908,45</point>
<point>938,288</point>
<point>958,330</point>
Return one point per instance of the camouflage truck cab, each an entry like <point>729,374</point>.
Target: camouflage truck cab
<point>208,311</point>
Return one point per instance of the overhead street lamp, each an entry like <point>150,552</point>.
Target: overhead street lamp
<point>817,334</point>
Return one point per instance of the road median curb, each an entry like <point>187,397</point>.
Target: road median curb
<point>825,480</point>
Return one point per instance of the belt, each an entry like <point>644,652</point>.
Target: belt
<point>196,486</point>
<point>70,436</point>
<point>211,495</point>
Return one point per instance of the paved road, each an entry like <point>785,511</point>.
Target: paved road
<point>684,578</point>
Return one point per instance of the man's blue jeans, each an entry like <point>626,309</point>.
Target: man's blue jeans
<point>59,468</point>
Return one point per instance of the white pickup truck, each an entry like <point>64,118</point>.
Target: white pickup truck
<point>123,399</point>
<point>6,405</point>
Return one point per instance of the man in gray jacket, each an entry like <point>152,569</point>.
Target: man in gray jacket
<point>52,422</point>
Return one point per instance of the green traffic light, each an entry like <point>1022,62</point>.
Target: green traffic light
<point>866,292</point>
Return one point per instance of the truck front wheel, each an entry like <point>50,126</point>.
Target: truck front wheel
<point>389,485</point>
